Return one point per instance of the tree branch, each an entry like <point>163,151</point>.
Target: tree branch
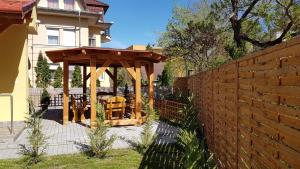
<point>249,9</point>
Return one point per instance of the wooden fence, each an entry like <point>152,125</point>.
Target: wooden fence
<point>250,108</point>
<point>170,110</point>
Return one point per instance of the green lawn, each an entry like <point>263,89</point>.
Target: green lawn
<point>156,158</point>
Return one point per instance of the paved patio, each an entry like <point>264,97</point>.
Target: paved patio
<point>69,139</point>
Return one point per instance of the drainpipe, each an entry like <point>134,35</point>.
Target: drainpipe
<point>79,28</point>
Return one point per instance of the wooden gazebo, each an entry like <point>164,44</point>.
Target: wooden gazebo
<point>99,60</point>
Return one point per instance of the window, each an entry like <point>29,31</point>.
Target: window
<point>53,4</point>
<point>102,77</point>
<point>69,4</point>
<point>92,41</point>
<point>53,36</point>
<point>69,37</point>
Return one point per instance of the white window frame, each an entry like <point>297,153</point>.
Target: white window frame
<point>64,38</point>
<point>94,39</point>
<point>54,32</point>
<point>73,8</point>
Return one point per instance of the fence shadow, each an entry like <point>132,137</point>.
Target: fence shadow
<point>164,153</point>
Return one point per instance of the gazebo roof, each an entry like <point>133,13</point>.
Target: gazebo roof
<point>82,56</point>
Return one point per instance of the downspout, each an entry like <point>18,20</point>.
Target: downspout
<point>79,28</point>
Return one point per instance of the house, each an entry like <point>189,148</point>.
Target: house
<point>67,24</point>
<point>158,67</point>
<point>17,21</point>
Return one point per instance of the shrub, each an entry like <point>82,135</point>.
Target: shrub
<point>34,152</point>
<point>43,73</point>
<point>100,144</point>
<point>190,122</point>
<point>76,77</point>
<point>195,154</point>
<point>58,77</point>
<point>45,99</point>
<point>147,136</point>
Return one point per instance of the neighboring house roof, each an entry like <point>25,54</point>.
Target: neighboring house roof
<point>14,12</point>
<point>16,9</point>
<point>93,5</point>
<point>158,67</point>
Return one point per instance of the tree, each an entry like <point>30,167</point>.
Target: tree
<point>166,78</point>
<point>58,78</point>
<point>43,73</point>
<point>192,35</point>
<point>100,143</point>
<point>98,83</point>
<point>34,151</point>
<point>76,77</point>
<point>262,23</point>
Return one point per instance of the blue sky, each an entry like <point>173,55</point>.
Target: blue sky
<point>138,21</point>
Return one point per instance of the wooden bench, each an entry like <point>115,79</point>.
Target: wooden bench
<point>115,105</point>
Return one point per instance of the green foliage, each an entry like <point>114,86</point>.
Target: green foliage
<point>34,152</point>
<point>147,136</point>
<point>166,79</point>
<point>193,35</point>
<point>98,83</point>
<point>190,122</point>
<point>43,73</point>
<point>261,23</point>
<point>29,83</point>
<point>58,77</point>
<point>195,154</point>
<point>76,77</point>
<point>45,99</point>
<point>100,144</point>
<point>124,78</point>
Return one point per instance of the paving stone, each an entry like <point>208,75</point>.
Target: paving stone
<point>66,139</point>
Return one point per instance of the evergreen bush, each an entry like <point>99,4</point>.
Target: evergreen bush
<point>43,73</point>
<point>34,152</point>
<point>100,144</point>
<point>76,77</point>
<point>58,77</point>
<point>45,99</point>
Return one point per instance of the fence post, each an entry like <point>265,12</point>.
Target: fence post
<point>237,112</point>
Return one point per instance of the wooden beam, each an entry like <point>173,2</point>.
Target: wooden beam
<point>93,92</point>
<point>66,93</point>
<point>128,68</point>
<point>84,82</point>
<point>115,79</point>
<point>103,68</point>
<point>138,95</point>
<point>109,74</point>
<point>150,74</point>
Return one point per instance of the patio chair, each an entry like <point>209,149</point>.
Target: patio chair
<point>115,105</point>
<point>78,109</point>
<point>74,109</point>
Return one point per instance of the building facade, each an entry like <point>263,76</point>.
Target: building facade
<point>18,20</point>
<point>67,24</point>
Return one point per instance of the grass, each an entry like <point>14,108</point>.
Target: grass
<point>116,159</point>
<point>157,157</point>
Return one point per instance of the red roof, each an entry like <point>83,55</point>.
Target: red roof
<point>18,8</point>
<point>93,4</point>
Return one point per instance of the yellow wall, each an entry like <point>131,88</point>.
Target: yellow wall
<point>13,71</point>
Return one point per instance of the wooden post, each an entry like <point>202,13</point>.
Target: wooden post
<point>84,82</point>
<point>115,79</point>
<point>93,97</point>
<point>66,93</point>
<point>150,74</point>
<point>138,96</point>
